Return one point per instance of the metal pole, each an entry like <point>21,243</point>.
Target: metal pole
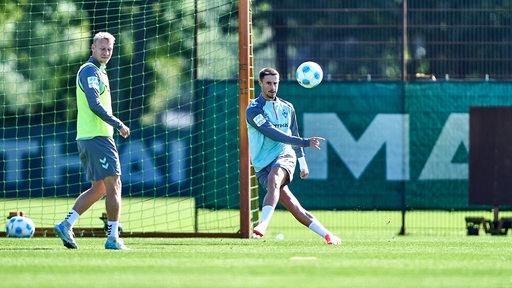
<point>244,95</point>
<point>404,81</point>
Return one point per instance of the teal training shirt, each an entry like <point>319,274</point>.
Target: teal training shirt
<point>272,129</point>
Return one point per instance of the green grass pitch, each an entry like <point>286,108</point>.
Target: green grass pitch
<point>436,252</point>
<point>297,261</point>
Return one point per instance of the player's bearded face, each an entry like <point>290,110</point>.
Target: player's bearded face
<point>269,86</point>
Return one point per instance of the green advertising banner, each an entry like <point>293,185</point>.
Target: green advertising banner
<point>384,141</point>
<point>362,123</point>
<point>439,139</point>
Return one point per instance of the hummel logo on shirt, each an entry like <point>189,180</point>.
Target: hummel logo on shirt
<point>104,163</point>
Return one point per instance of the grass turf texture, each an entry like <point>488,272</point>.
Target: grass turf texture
<point>369,261</point>
<point>435,253</point>
<point>178,215</point>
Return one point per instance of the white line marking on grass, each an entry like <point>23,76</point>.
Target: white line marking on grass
<point>303,258</point>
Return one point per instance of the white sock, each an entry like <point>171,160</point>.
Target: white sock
<point>112,229</point>
<point>319,228</point>
<point>71,218</point>
<point>266,213</point>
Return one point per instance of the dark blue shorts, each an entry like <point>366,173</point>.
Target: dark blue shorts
<point>99,158</point>
<point>285,161</point>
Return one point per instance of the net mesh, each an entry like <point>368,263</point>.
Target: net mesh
<point>174,83</point>
<point>171,60</point>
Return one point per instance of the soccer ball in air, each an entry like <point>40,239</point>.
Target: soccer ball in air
<point>20,227</point>
<point>309,74</point>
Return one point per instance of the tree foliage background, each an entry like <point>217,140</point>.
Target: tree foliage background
<point>354,39</point>
<point>44,42</point>
<point>163,45</point>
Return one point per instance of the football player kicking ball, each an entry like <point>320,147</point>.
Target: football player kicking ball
<point>275,147</point>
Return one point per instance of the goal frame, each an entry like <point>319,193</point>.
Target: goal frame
<point>246,92</point>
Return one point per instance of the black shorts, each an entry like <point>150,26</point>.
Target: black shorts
<point>99,157</point>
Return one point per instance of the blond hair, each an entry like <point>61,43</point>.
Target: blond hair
<point>104,35</point>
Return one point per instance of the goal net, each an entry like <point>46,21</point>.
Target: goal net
<point>174,82</point>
